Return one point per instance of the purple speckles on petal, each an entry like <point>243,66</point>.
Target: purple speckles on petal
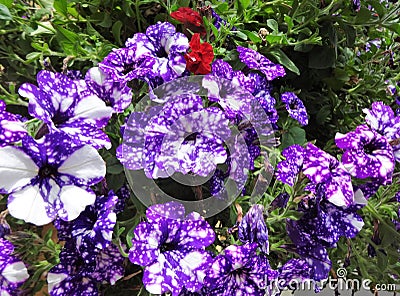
<point>257,61</point>
<point>287,170</point>
<point>172,248</point>
<point>13,272</point>
<point>252,228</point>
<point>295,107</point>
<point>238,271</point>
<point>320,167</point>
<point>65,104</point>
<point>367,154</point>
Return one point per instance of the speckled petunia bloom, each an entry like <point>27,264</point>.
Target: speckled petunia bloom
<point>324,222</point>
<point>367,154</point>
<point>183,137</point>
<point>49,177</point>
<point>295,107</point>
<point>382,119</point>
<point>12,129</point>
<point>92,230</point>
<point>13,272</point>
<point>156,56</point>
<point>67,105</point>
<point>113,91</point>
<point>322,168</point>
<point>73,277</point>
<point>256,61</point>
<point>288,169</point>
<point>252,228</point>
<point>172,249</point>
<point>238,271</point>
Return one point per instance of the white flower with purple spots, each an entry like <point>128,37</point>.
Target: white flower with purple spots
<point>367,154</point>
<point>13,272</point>
<point>73,277</point>
<point>322,168</point>
<point>238,271</point>
<point>49,177</point>
<point>172,249</point>
<point>67,105</point>
<point>256,61</point>
<point>12,129</point>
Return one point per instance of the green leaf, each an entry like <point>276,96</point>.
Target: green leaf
<point>252,36</point>
<point>116,30</point>
<point>5,13</point>
<point>363,16</point>
<point>289,22</point>
<point>284,60</point>
<point>245,3</point>
<point>61,7</point>
<point>295,135</point>
<point>47,4</point>
<point>240,34</point>
<point>7,3</point>
<point>273,25</point>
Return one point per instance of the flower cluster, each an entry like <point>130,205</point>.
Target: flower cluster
<point>53,169</point>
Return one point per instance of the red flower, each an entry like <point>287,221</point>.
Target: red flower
<point>199,59</point>
<point>190,19</point>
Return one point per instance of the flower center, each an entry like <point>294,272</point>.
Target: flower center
<point>47,171</point>
<point>368,149</point>
<point>165,247</point>
<point>59,118</point>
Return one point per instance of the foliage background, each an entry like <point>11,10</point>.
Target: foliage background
<point>332,66</point>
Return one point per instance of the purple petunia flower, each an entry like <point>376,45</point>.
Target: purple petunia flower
<point>323,222</point>
<point>238,271</point>
<point>235,99</point>
<point>11,128</point>
<point>183,137</point>
<point>322,168</point>
<point>92,230</point>
<point>288,169</point>
<point>49,177</point>
<point>382,119</point>
<point>295,107</point>
<point>172,248</point>
<point>154,56</point>
<point>293,273</point>
<point>252,228</point>
<point>367,154</point>
<point>257,61</point>
<point>13,272</point>
<point>321,226</point>
<point>67,105</point>
<point>113,92</point>
<point>317,258</point>
<point>72,277</point>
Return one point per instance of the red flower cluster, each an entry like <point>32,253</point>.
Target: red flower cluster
<point>191,19</point>
<point>199,59</point>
